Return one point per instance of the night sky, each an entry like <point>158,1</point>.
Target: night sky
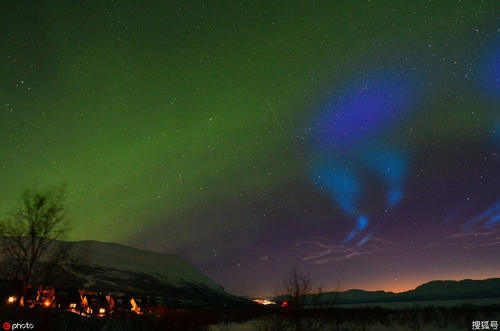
<point>357,140</point>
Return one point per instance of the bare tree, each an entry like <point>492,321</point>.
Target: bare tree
<point>28,233</point>
<point>297,284</point>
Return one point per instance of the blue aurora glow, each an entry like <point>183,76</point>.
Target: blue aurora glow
<point>490,217</point>
<point>342,185</point>
<point>489,73</point>
<point>392,168</point>
<point>368,105</point>
<point>364,109</point>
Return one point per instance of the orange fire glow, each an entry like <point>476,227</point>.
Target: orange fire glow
<point>111,302</point>
<point>135,307</point>
<point>85,303</point>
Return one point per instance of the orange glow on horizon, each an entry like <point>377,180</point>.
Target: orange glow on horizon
<point>398,285</point>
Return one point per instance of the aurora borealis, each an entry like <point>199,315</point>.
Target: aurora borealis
<point>357,140</point>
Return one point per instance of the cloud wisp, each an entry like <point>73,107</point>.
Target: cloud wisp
<point>320,250</point>
<point>473,239</point>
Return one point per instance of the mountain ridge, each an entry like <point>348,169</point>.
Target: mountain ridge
<point>429,291</point>
<point>124,270</point>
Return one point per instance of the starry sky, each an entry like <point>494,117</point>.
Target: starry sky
<point>356,140</point>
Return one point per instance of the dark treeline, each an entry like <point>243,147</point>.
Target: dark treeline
<point>265,319</point>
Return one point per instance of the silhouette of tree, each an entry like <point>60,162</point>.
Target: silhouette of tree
<point>297,284</point>
<point>29,232</point>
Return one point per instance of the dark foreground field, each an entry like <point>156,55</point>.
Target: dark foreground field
<point>368,318</point>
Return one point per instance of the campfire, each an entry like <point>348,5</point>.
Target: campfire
<point>83,302</point>
<point>85,305</point>
<point>135,308</point>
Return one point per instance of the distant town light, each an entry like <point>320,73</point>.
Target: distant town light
<point>264,302</point>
